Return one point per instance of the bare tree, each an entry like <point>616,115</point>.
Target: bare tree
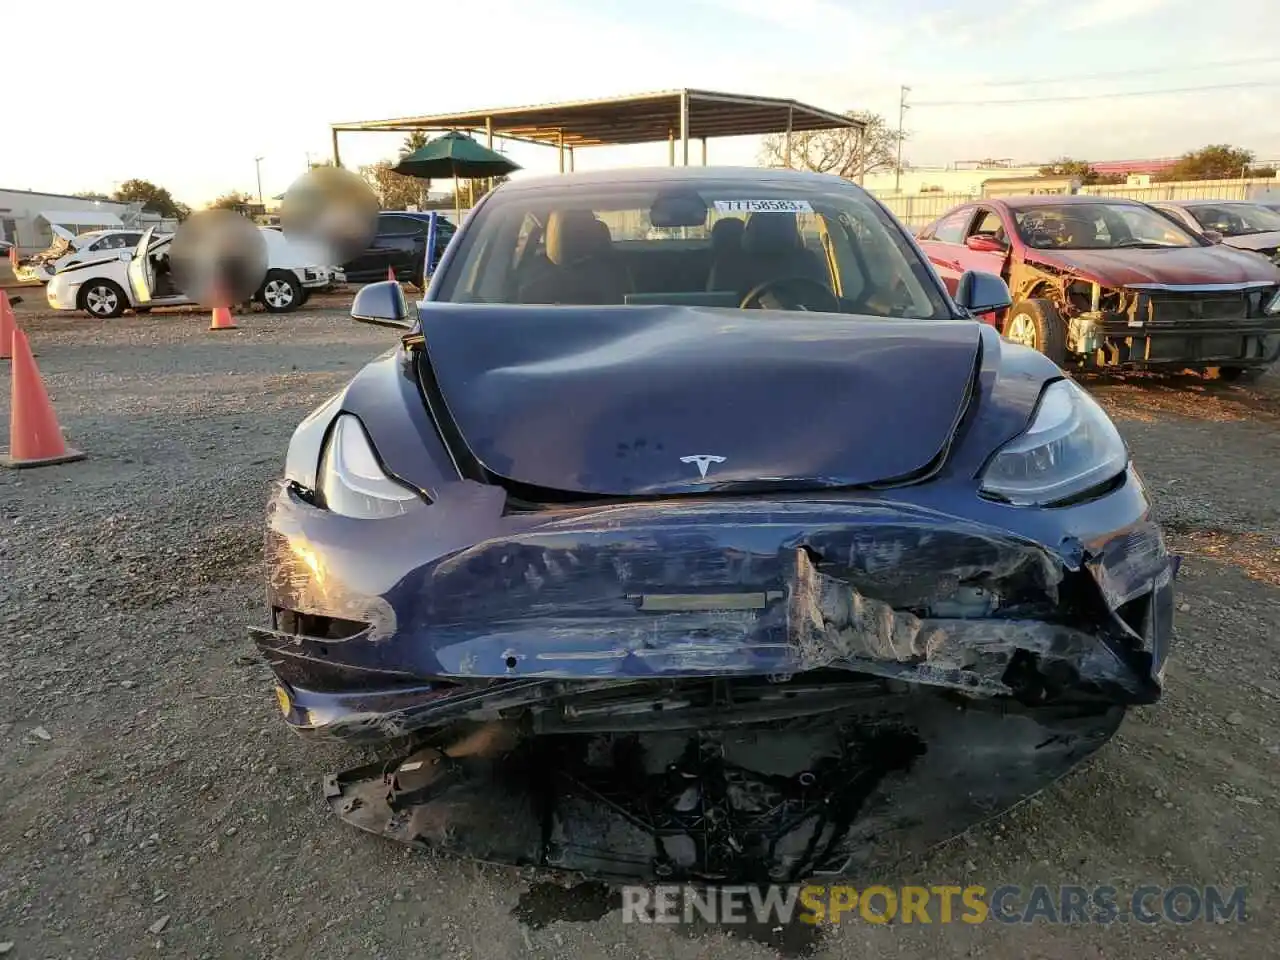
<point>839,151</point>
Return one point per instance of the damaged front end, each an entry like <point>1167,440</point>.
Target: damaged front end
<point>760,689</point>
<point>1161,325</point>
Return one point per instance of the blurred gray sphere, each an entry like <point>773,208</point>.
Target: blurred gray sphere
<point>331,209</point>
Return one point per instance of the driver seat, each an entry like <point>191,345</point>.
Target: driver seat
<point>580,266</point>
<point>771,249</point>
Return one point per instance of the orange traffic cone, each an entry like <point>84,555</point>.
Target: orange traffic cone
<point>222,319</point>
<point>35,439</point>
<point>391,274</point>
<point>7,326</point>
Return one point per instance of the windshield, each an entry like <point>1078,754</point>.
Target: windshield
<point>1098,226</point>
<point>1235,219</point>
<point>722,243</point>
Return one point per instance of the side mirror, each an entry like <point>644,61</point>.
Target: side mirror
<point>1213,236</point>
<point>982,244</point>
<point>980,292</point>
<point>383,305</point>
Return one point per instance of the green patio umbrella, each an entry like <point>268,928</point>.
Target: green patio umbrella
<point>454,155</point>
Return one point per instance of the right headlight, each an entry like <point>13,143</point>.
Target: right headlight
<point>351,481</point>
<point>1273,305</point>
<point>1071,447</point>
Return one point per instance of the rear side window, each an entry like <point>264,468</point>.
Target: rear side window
<point>400,227</point>
<point>950,228</point>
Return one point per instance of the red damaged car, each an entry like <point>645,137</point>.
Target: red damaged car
<point>1102,282</point>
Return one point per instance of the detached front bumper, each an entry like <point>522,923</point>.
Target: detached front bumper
<point>381,629</point>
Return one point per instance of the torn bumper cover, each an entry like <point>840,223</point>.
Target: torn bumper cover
<point>739,589</point>
<point>752,689</point>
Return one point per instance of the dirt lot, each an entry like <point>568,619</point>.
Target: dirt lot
<point>154,804</point>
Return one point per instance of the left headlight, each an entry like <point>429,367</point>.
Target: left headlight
<point>1071,447</point>
<point>352,483</point>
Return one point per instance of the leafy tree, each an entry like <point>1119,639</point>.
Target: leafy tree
<point>1080,169</point>
<point>395,191</point>
<point>840,151</point>
<point>231,201</point>
<point>153,198</point>
<point>1218,161</point>
<point>413,142</point>
<point>92,195</point>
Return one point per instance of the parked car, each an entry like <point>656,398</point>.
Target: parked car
<point>140,279</point>
<point>1106,282</point>
<point>69,249</point>
<point>1245,226</point>
<point>401,244</point>
<point>707,554</point>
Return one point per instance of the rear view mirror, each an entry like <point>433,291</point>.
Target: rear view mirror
<point>1213,236</point>
<point>984,244</point>
<point>678,210</point>
<point>383,305</point>
<point>980,292</point>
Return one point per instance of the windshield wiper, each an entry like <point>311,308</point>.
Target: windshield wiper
<point>1135,243</point>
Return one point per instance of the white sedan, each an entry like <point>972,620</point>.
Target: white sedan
<point>69,249</point>
<point>139,279</point>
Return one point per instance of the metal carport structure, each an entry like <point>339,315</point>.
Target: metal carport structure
<point>676,116</point>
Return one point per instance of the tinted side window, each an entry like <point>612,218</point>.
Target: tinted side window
<point>399,226</point>
<point>950,228</point>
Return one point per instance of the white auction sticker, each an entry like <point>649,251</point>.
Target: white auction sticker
<point>763,206</point>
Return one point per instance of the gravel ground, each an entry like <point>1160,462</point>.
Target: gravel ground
<point>154,804</point>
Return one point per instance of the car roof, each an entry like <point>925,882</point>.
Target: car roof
<point>414,214</point>
<point>627,176</point>
<point>1054,200</point>
<point>1211,203</point>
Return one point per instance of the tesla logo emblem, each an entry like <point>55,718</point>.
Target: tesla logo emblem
<point>703,461</point>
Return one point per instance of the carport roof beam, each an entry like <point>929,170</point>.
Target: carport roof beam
<point>644,118</point>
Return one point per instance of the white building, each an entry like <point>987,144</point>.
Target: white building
<point>960,178</point>
<point>26,217</point>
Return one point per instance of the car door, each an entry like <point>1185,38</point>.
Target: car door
<point>387,249</point>
<point>406,239</point>
<point>943,244</point>
<point>142,272</point>
<point>986,249</point>
<point>986,243</point>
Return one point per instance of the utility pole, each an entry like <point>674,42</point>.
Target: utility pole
<point>257,164</point>
<point>902,113</point>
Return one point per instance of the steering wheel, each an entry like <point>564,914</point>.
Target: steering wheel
<point>825,302</point>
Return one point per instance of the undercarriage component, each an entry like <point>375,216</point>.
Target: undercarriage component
<point>885,777</point>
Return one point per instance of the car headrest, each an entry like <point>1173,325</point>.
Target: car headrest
<point>574,235</point>
<point>771,233</point>
<point>727,234</point>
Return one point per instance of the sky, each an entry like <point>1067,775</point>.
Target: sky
<point>265,78</point>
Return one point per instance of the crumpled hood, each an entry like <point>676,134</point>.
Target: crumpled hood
<point>621,401</point>
<point>1173,265</point>
<point>1255,241</point>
